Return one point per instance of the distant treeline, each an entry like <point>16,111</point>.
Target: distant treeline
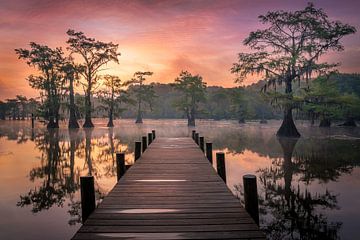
<point>240,103</point>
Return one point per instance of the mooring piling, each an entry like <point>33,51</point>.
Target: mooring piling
<point>201,143</point>
<point>209,154</point>
<point>197,139</point>
<point>144,143</point>
<point>137,150</point>
<point>87,196</point>
<point>251,196</point>
<point>220,163</point>
<point>120,165</point>
<point>150,138</point>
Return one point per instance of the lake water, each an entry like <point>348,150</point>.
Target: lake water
<point>308,189</point>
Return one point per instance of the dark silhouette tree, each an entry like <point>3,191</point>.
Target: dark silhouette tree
<point>238,103</point>
<point>13,108</point>
<point>70,72</point>
<point>95,54</point>
<point>193,89</point>
<point>350,104</point>
<point>112,95</point>
<point>322,99</point>
<point>144,94</point>
<point>49,81</point>
<point>22,100</point>
<point>3,110</point>
<point>289,50</point>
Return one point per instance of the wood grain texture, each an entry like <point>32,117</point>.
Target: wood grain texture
<point>171,192</point>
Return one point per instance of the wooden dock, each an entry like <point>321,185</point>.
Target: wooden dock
<point>172,192</point>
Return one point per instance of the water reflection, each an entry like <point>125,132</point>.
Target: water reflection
<point>290,211</point>
<point>292,205</point>
<point>308,188</point>
<point>64,157</point>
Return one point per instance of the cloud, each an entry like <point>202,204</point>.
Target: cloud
<point>202,36</point>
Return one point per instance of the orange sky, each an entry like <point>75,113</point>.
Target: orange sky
<point>162,36</point>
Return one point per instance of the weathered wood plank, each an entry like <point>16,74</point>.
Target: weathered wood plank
<point>172,192</point>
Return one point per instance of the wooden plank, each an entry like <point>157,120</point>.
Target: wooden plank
<point>172,192</point>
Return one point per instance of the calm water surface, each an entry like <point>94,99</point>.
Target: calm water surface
<point>308,188</point>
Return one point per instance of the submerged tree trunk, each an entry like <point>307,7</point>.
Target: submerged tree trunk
<point>349,122</point>
<point>325,122</point>
<point>288,128</point>
<point>191,117</point>
<point>52,123</point>
<point>72,118</point>
<point>241,120</point>
<point>263,121</point>
<point>88,123</point>
<point>139,114</point>
<point>53,118</point>
<point>110,123</point>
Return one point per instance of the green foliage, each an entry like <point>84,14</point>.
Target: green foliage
<point>289,48</point>
<point>322,99</point>
<point>95,54</point>
<point>49,81</point>
<point>193,92</point>
<point>112,94</point>
<point>144,94</point>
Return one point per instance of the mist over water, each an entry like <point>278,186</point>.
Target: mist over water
<point>308,188</point>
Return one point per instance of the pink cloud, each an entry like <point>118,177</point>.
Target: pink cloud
<point>202,36</point>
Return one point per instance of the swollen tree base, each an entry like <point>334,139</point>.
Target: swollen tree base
<point>288,128</point>
<point>139,119</point>
<point>88,124</point>
<point>73,124</point>
<point>263,121</point>
<point>52,125</point>
<point>191,122</point>
<point>325,123</point>
<point>349,123</point>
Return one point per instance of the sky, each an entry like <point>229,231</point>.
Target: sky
<point>163,36</point>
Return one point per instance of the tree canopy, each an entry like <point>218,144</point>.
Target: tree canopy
<point>193,89</point>
<point>289,50</point>
<point>95,54</point>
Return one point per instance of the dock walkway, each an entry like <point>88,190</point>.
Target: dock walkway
<point>172,192</point>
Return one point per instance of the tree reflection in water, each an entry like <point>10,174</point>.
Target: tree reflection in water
<point>57,179</point>
<point>291,212</point>
<point>291,205</point>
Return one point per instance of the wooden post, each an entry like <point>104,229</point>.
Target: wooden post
<point>193,134</point>
<point>144,143</point>
<point>202,147</point>
<point>137,150</point>
<point>197,138</point>
<point>251,196</point>
<point>150,138</point>
<point>220,162</point>
<point>209,154</point>
<point>87,196</point>
<point>153,134</point>
<point>32,121</point>
<point>120,165</point>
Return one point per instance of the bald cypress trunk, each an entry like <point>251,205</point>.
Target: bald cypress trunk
<point>325,122</point>
<point>72,118</point>
<point>139,114</point>
<point>349,122</point>
<point>288,128</point>
<point>191,117</point>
